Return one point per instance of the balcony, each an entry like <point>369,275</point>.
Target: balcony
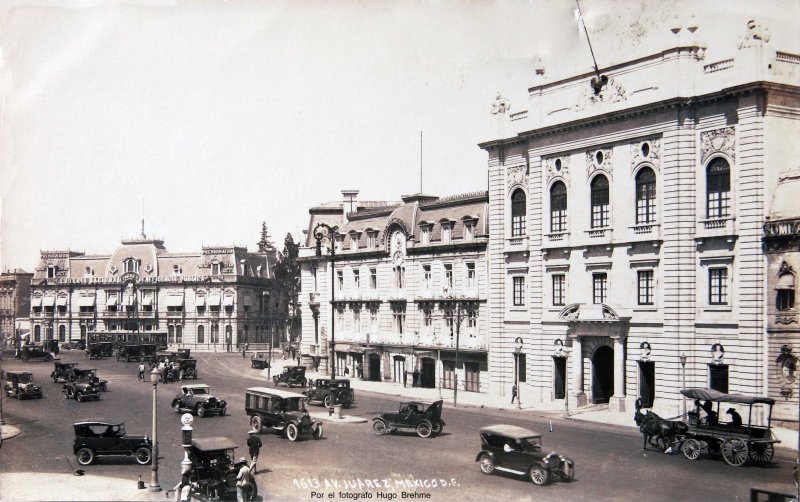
<point>716,227</point>
<point>175,313</point>
<point>557,239</point>
<point>516,244</point>
<point>644,232</point>
<point>313,300</point>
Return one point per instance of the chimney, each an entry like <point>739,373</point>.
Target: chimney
<point>349,202</point>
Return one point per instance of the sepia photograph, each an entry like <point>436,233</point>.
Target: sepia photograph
<point>515,250</point>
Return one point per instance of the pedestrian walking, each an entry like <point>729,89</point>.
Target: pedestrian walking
<point>183,490</point>
<point>244,349</point>
<point>244,482</point>
<point>513,393</point>
<point>140,371</point>
<point>415,380</point>
<point>254,445</point>
<point>346,371</point>
<point>359,370</point>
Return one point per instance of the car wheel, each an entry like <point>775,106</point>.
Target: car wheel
<point>79,396</point>
<point>291,432</point>
<point>437,427</point>
<point>142,455</point>
<point>538,474</point>
<point>318,432</point>
<point>486,463</point>
<point>256,423</point>
<point>424,429</point>
<point>346,404</point>
<point>26,357</point>
<point>222,411</point>
<point>201,410</point>
<point>177,407</point>
<point>328,401</point>
<point>379,427</point>
<point>275,380</point>
<point>85,456</point>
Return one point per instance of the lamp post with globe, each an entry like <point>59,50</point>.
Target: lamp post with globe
<point>154,486</point>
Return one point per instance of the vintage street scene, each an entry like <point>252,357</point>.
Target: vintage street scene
<point>467,251</point>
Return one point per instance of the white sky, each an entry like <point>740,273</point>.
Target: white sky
<point>215,116</point>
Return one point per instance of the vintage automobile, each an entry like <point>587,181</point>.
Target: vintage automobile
<point>259,359</point>
<point>331,391</point>
<point>87,376</point>
<point>281,411</point>
<point>80,391</point>
<point>29,352</point>
<point>95,438</point>
<point>62,371</point>
<point>130,352</point>
<point>182,353</point>
<point>291,376</point>
<point>214,468</point>
<point>187,368</point>
<point>424,418</point>
<point>149,351</point>
<point>99,349</point>
<point>198,399</point>
<point>517,450</point>
<point>19,384</point>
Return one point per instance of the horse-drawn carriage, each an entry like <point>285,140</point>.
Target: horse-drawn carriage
<point>735,441</point>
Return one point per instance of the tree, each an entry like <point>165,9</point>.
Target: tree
<point>265,245</point>
<point>287,274</point>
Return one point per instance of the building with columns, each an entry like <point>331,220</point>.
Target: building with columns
<point>626,210</point>
<point>404,290</point>
<point>212,300</point>
<point>15,306</point>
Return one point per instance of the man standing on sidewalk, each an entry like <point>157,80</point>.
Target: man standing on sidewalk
<point>513,393</point>
<point>254,444</point>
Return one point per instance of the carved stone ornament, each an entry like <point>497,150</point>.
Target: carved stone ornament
<point>500,105</point>
<point>557,166</point>
<point>612,92</point>
<point>756,36</point>
<point>517,175</point>
<point>718,141</point>
<point>598,159</point>
<point>646,151</point>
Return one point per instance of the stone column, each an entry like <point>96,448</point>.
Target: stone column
<point>577,371</point>
<point>617,401</point>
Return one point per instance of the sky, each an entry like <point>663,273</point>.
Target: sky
<point>207,118</point>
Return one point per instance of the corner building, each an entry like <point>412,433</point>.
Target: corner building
<point>626,225</point>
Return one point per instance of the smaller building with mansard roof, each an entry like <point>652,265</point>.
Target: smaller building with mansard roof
<point>215,299</point>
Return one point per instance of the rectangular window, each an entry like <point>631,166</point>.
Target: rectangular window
<point>427,319</point>
<point>470,275</point>
<point>357,321</point>
<point>469,230</point>
<point>559,289</point>
<point>519,291</point>
<point>599,287</point>
<point>373,320</point>
<point>718,286</point>
<point>353,242</point>
<point>373,278</point>
<point>370,240</point>
<point>339,280</point>
<point>426,235</point>
<point>215,269</point>
<point>356,280</point>
<point>784,299</point>
<point>399,320</point>
<point>448,323</point>
<point>426,277</point>
<point>646,290</point>
<point>718,377</point>
<point>446,229</point>
<point>448,277</point>
<point>600,216</point>
<point>399,277</point>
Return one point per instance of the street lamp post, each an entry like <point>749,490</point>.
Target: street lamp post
<point>154,486</point>
<point>186,442</point>
<point>683,381</point>
<point>324,232</point>
<point>517,353</point>
<point>265,296</point>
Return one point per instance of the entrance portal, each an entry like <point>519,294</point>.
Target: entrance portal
<point>428,376</point>
<point>374,374</point>
<point>603,374</point>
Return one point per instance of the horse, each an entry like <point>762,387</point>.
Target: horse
<point>658,431</point>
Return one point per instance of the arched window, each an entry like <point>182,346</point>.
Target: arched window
<point>600,206</point>
<point>718,189</point>
<point>62,333</point>
<point>178,334</point>
<point>37,333</point>
<point>785,292</point>
<point>558,207</point>
<point>518,210</point>
<point>646,196</point>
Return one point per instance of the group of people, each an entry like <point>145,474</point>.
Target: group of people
<point>163,367</point>
<point>245,481</point>
<point>708,416</point>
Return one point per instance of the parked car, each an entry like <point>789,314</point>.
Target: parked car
<point>62,371</point>
<point>331,391</point>
<point>519,451</point>
<point>149,351</point>
<point>29,352</point>
<point>182,353</point>
<point>87,376</point>
<point>280,411</point>
<point>260,359</point>
<point>130,352</point>
<point>424,418</point>
<point>19,384</point>
<point>99,349</point>
<point>187,368</point>
<point>80,391</point>
<point>214,468</point>
<point>198,399</point>
<point>94,438</point>
<point>291,376</point>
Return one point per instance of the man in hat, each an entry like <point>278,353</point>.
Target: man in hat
<point>254,445</point>
<point>736,419</point>
<point>244,482</point>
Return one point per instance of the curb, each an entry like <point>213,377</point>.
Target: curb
<point>9,431</point>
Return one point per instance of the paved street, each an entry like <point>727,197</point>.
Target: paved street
<point>349,460</point>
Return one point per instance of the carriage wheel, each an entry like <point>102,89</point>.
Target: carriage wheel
<point>734,451</point>
<point>691,449</point>
<point>761,453</point>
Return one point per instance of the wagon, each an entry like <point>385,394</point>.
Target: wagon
<point>735,443</point>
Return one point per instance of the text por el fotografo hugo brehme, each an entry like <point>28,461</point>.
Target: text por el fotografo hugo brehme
<point>386,489</point>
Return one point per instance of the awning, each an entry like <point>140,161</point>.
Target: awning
<point>174,300</point>
<point>147,300</point>
<point>200,301</point>
<point>36,301</point>
<point>786,281</point>
<point>62,301</point>
<point>228,301</point>
<point>112,300</point>
<point>49,301</point>
<point>213,300</point>
<point>86,301</point>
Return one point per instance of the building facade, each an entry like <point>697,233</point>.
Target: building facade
<point>15,306</point>
<point>405,290</point>
<point>625,220</point>
<point>212,300</point>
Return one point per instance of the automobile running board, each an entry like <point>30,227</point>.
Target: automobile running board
<point>506,469</point>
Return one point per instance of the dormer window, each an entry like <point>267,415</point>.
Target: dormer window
<point>425,234</point>
<point>469,230</point>
<point>353,241</point>
<point>130,265</point>
<point>216,269</point>
<point>52,270</point>
<point>447,232</point>
<point>371,238</point>
<point>176,270</point>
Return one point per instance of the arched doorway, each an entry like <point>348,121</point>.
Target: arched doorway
<point>602,374</point>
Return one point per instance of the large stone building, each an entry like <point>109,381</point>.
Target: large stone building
<point>407,284</point>
<point>15,306</point>
<point>212,300</point>
<point>625,220</point>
